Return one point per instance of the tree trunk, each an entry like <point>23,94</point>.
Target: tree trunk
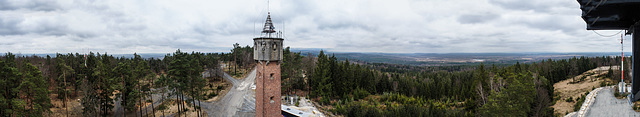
<point>124,97</point>
<point>30,100</point>
<point>178,101</point>
<point>182,103</point>
<point>99,96</point>
<point>193,98</point>
<point>143,101</point>
<point>64,75</point>
<point>140,101</point>
<point>151,95</point>
<point>199,109</point>
<point>199,105</point>
<point>162,100</point>
<point>235,63</point>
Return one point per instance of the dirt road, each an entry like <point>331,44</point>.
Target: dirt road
<point>239,102</point>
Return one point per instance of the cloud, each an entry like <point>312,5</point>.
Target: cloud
<point>405,26</point>
<point>38,5</point>
<point>535,5</point>
<point>8,26</point>
<point>477,18</point>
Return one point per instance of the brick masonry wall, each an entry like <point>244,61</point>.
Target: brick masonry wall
<point>268,89</point>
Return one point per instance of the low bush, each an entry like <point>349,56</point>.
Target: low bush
<point>579,102</point>
<point>570,99</point>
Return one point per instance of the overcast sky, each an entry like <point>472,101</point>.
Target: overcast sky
<point>389,26</point>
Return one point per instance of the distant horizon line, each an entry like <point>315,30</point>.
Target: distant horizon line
<point>330,50</point>
<point>340,52</point>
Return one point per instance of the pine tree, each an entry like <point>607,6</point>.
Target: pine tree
<point>140,71</point>
<point>162,83</point>
<point>482,88</point>
<point>90,101</point>
<point>123,71</point>
<point>104,84</point>
<point>321,78</point>
<point>65,72</point>
<point>9,81</point>
<point>34,88</point>
<point>196,81</point>
<point>511,101</point>
<point>179,74</point>
<point>143,74</point>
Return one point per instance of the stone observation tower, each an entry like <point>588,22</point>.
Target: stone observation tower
<point>267,51</point>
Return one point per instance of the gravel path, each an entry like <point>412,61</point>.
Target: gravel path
<point>239,102</point>
<point>606,105</point>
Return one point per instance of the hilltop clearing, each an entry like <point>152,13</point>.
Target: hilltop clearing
<point>568,91</point>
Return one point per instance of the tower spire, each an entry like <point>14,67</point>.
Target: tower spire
<point>268,25</point>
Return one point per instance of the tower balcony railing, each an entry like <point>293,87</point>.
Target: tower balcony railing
<point>277,34</point>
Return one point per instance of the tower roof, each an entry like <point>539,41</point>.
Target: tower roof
<point>610,14</point>
<point>268,25</point>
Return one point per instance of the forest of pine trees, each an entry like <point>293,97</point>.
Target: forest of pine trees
<point>352,88</point>
<point>27,81</point>
<point>469,91</point>
<point>24,90</point>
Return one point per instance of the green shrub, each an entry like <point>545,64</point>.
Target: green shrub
<point>162,107</point>
<point>579,102</point>
<point>360,93</point>
<point>570,99</point>
<point>555,98</point>
<point>324,100</point>
<point>212,94</point>
<point>60,92</point>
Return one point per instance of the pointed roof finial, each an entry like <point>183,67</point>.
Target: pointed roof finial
<point>268,25</point>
